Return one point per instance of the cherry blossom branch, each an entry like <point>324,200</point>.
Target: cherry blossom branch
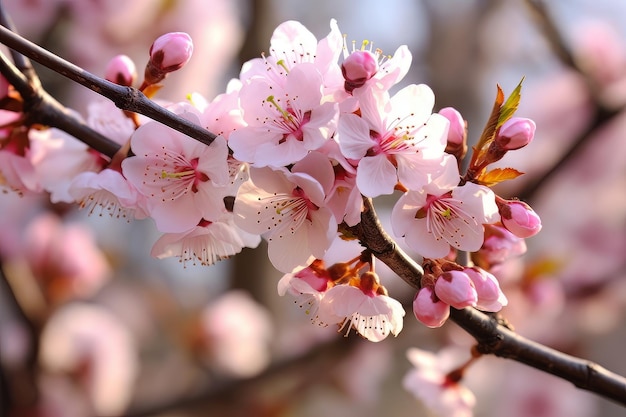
<point>21,62</point>
<point>493,337</point>
<point>126,98</point>
<point>372,235</point>
<point>41,108</point>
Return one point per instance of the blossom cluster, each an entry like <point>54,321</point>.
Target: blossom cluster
<point>303,135</point>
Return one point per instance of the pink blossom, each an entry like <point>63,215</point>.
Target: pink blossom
<point>429,382</point>
<point>109,191</point>
<point>367,67</point>
<point>500,245</point>
<point>308,286</point>
<point>456,289</point>
<point>457,131</point>
<point>490,296</point>
<point>288,209</point>
<point>515,133</point>
<point>372,315</point>
<point>169,52</point>
<point>345,199</point>
<point>104,117</point>
<point>121,70</point>
<point>443,215</point>
<point>429,309</point>
<point>17,173</point>
<point>222,115</point>
<point>519,218</point>
<point>293,44</point>
<point>88,340</point>
<point>358,68</point>
<point>182,179</point>
<point>206,243</point>
<point>64,258</point>
<point>285,122</point>
<point>236,333</point>
<point>394,139</point>
<point>57,158</point>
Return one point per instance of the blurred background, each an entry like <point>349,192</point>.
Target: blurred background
<point>91,325</point>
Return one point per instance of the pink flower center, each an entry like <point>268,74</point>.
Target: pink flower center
<point>444,215</point>
<point>291,122</point>
<point>396,140</point>
<point>180,176</point>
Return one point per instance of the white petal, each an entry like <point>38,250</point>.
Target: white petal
<point>376,176</point>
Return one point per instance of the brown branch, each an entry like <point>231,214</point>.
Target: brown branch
<point>492,337</point>
<point>41,108</point>
<point>498,340</point>
<point>126,98</point>
<point>372,235</point>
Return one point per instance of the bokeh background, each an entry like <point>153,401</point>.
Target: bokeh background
<point>91,325</point>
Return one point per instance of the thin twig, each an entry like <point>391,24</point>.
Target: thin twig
<point>126,98</point>
<point>41,108</point>
<point>21,62</point>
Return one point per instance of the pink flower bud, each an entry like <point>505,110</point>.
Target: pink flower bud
<point>490,297</point>
<point>456,133</point>
<point>519,218</point>
<point>516,133</point>
<point>316,281</point>
<point>456,288</point>
<point>171,51</point>
<point>500,245</point>
<point>168,53</point>
<point>428,309</point>
<point>121,70</point>
<point>357,68</point>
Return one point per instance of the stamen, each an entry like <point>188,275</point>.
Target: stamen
<point>281,63</point>
<point>176,175</point>
<point>282,111</point>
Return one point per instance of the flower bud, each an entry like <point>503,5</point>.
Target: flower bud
<point>515,133</point>
<point>428,309</point>
<point>168,53</point>
<point>490,297</point>
<point>121,70</point>
<point>456,288</point>
<point>519,218</point>
<point>357,68</point>
<point>500,245</point>
<point>457,132</point>
<point>316,281</point>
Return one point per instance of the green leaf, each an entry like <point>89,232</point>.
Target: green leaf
<point>510,105</point>
<point>490,127</point>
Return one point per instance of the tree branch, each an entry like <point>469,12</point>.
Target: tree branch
<point>126,98</point>
<point>492,337</point>
<point>41,108</point>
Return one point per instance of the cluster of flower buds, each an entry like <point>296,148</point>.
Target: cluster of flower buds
<point>446,285</point>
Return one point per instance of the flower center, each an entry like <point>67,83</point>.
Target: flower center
<point>291,121</point>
